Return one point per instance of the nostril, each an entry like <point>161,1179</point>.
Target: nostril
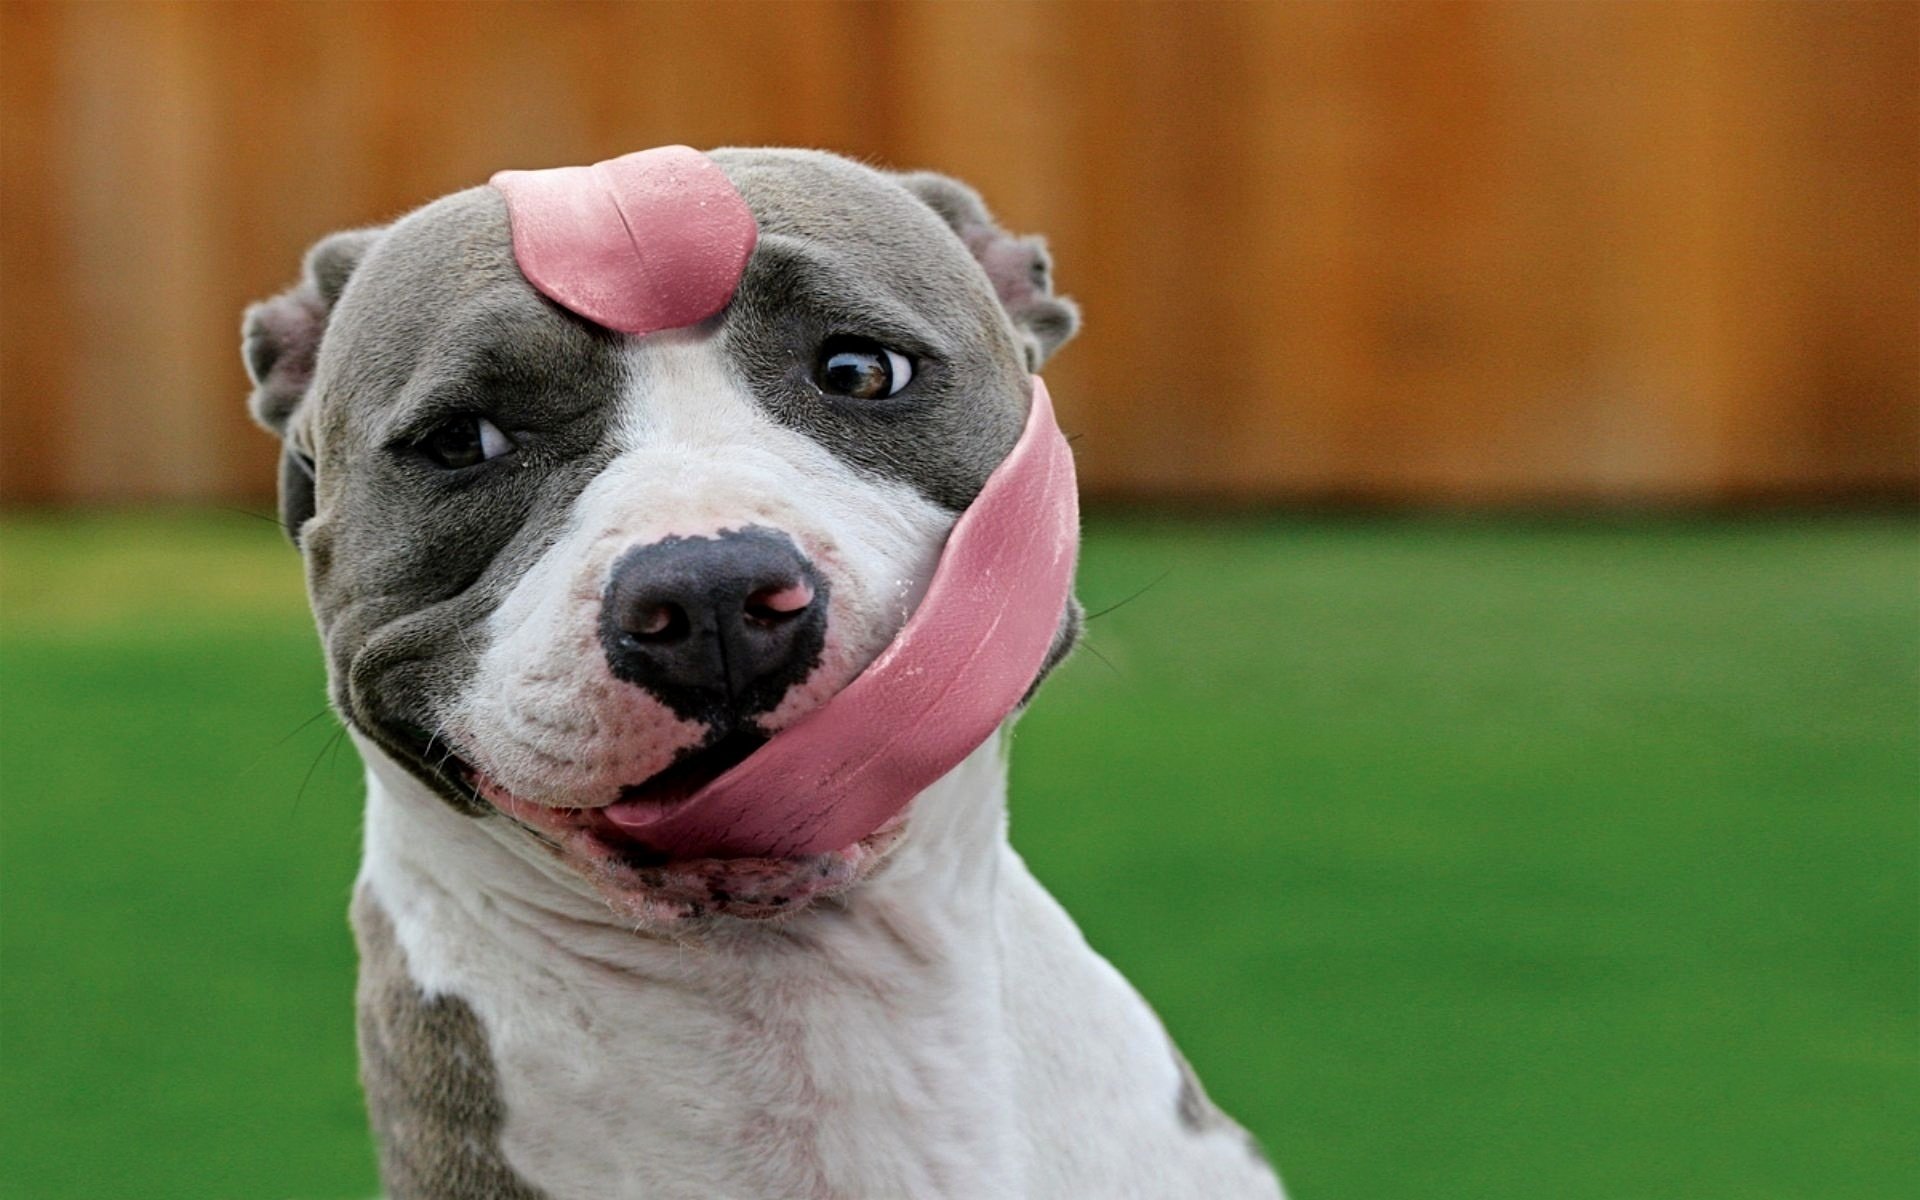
<point>656,623</point>
<point>781,602</point>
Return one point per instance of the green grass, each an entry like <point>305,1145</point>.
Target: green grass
<point>1476,859</point>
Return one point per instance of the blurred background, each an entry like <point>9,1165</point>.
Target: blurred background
<point>1500,426</point>
<point>1421,253</point>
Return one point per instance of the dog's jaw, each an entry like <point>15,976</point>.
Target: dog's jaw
<point>542,860</point>
<point>666,894</point>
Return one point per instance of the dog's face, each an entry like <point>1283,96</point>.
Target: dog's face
<point>556,567</point>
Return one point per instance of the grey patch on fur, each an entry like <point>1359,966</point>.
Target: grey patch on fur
<point>847,250</point>
<point>1255,1150</point>
<point>1199,1114</point>
<point>432,1094</point>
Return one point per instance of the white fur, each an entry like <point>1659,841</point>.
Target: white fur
<point>943,1031</point>
<point>544,717</point>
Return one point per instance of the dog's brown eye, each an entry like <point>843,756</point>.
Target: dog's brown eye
<point>862,369</point>
<point>465,441</point>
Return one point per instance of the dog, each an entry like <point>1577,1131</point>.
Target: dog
<point>577,552</point>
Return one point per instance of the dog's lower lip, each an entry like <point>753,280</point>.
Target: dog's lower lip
<point>644,883</point>
<point>637,803</point>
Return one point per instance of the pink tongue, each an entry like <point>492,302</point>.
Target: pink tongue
<point>647,241</point>
<point>959,666</point>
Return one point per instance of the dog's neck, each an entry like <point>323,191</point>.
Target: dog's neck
<point>880,1012</point>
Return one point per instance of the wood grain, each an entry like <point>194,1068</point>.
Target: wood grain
<point>1458,253</point>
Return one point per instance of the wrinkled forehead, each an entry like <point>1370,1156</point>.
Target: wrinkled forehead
<point>827,232</point>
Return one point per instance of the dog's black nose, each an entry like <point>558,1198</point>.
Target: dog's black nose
<point>716,627</point>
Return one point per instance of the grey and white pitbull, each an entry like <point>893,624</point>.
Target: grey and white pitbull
<point>500,506</point>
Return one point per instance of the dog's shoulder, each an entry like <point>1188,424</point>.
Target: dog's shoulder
<point>432,1091</point>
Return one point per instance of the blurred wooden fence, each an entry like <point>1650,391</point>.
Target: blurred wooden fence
<point>1452,252</point>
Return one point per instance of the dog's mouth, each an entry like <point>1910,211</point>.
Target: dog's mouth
<point>689,773</point>
<point>647,887</point>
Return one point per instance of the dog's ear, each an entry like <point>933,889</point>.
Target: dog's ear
<point>280,338</point>
<point>279,342</point>
<point>1020,268</point>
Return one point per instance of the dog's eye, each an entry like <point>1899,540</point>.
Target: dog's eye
<point>465,441</point>
<point>862,369</point>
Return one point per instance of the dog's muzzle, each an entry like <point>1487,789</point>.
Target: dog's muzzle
<point>660,239</point>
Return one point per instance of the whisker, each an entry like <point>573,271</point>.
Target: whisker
<point>287,737</point>
<point>1094,650</point>
<point>338,742</point>
<point>332,743</point>
<point>258,516</point>
<point>1130,599</point>
<point>461,632</point>
<point>439,735</point>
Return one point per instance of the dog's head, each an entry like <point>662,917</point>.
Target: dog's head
<point>557,567</point>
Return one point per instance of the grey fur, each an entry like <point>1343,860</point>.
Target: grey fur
<point>432,1095</point>
<point>280,344</point>
<point>844,249</point>
<point>406,561</point>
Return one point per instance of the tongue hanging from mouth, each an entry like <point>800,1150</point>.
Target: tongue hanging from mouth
<point>958,667</point>
<point>660,239</point>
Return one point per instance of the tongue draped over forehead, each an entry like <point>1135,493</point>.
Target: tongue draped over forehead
<point>648,241</point>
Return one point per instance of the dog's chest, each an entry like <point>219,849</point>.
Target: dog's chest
<point>774,1086</point>
<point>937,1034</point>
<point>793,1071</point>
